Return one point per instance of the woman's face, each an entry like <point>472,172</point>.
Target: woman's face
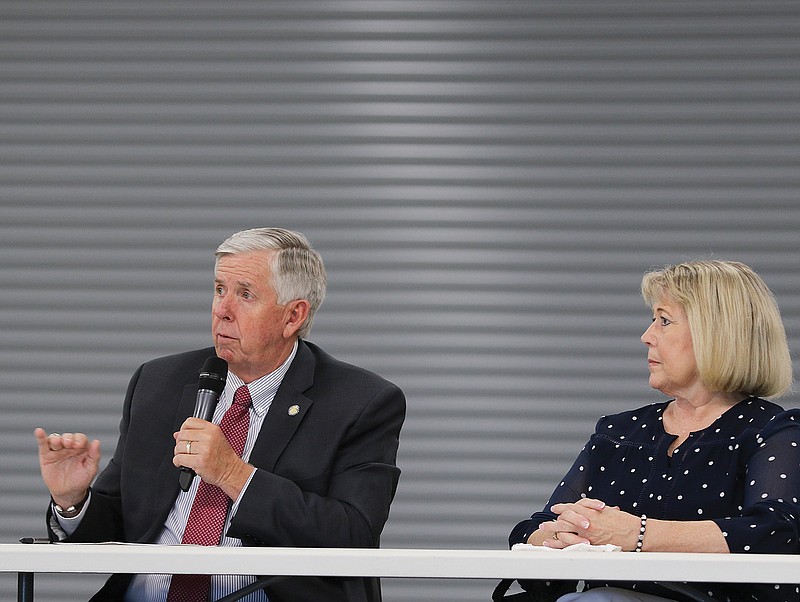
<point>670,354</point>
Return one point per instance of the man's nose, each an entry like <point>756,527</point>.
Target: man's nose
<point>222,308</point>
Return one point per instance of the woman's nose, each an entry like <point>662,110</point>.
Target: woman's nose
<point>647,336</point>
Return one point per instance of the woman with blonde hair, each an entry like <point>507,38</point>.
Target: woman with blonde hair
<point>714,468</point>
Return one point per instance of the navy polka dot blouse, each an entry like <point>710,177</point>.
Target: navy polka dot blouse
<point>742,472</point>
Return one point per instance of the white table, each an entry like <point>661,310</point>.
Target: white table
<point>27,559</point>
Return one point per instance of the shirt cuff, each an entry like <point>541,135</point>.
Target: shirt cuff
<point>235,504</point>
<point>67,526</point>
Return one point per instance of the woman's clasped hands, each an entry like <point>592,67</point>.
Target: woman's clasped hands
<point>590,521</point>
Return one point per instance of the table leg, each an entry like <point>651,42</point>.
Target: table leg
<point>25,587</point>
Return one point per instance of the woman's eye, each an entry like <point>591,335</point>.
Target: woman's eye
<point>665,321</point>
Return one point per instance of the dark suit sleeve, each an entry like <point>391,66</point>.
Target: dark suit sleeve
<point>345,504</point>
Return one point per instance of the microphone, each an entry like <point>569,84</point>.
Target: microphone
<point>212,382</point>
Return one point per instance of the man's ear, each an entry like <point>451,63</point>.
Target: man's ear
<point>296,316</point>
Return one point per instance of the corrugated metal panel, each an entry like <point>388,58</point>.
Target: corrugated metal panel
<point>486,180</point>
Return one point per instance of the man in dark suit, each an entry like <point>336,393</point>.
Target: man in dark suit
<point>318,467</point>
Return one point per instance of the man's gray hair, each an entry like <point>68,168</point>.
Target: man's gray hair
<point>297,269</point>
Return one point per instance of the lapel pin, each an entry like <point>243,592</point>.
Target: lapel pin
<point>294,410</point>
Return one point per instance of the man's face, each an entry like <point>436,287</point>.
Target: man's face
<point>251,331</point>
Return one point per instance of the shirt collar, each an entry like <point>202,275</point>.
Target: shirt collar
<point>262,390</point>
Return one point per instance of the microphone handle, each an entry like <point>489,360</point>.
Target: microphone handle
<point>204,408</point>
<point>185,478</point>
<point>205,404</point>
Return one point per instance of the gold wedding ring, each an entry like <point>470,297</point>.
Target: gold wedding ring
<point>188,448</point>
<point>555,535</point>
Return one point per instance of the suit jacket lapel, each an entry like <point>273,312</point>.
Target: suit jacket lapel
<point>167,473</point>
<point>286,411</point>
<point>166,478</point>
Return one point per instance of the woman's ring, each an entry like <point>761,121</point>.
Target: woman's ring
<point>54,435</point>
<point>189,448</point>
<point>555,535</point>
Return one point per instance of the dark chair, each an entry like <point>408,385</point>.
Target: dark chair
<point>547,591</point>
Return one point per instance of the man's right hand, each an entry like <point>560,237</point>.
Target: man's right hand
<point>69,462</point>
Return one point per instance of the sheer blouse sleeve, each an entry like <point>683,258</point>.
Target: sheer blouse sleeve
<point>568,490</point>
<point>769,522</point>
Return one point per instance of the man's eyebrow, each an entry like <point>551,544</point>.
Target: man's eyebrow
<point>240,283</point>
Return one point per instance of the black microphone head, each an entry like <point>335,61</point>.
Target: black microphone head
<point>213,374</point>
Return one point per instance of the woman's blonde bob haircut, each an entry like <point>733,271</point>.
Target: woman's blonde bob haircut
<point>738,337</point>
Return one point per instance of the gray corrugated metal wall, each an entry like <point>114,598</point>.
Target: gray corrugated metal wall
<point>486,180</point>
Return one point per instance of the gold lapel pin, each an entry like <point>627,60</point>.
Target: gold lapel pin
<point>294,410</point>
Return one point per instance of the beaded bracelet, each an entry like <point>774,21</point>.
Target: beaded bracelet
<point>642,529</point>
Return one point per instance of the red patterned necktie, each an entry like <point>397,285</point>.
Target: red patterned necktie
<point>207,517</point>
